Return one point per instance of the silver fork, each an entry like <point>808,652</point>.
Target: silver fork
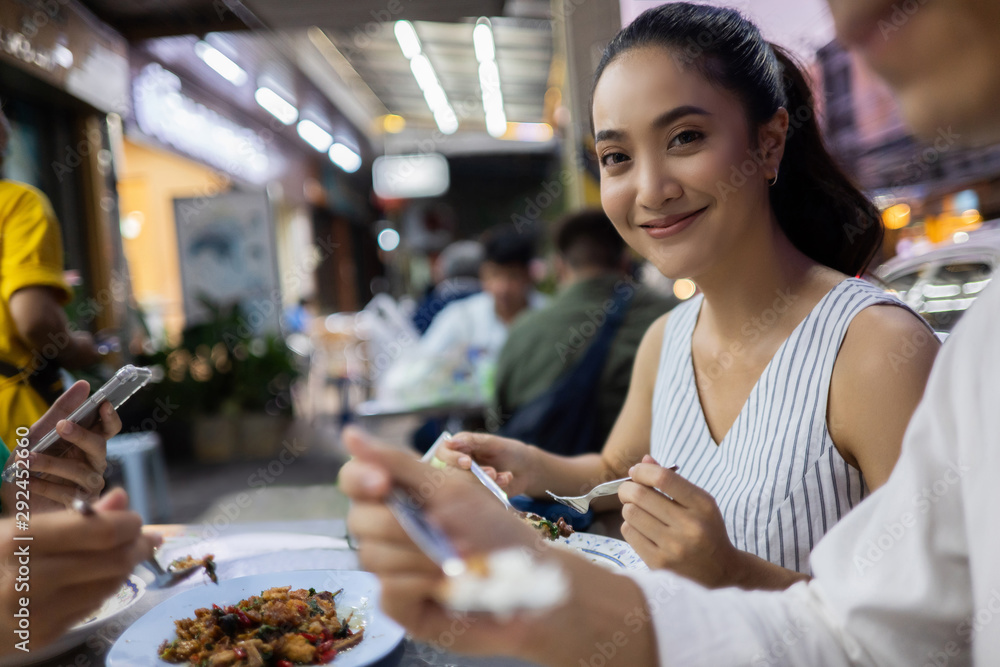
<point>168,577</point>
<point>429,538</point>
<point>582,503</point>
<point>476,470</point>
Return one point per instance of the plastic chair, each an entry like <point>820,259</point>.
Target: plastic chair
<point>145,473</point>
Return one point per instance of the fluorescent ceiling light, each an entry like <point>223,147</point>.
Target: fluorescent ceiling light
<point>406,35</point>
<point>345,158</point>
<point>276,105</point>
<point>446,120</point>
<point>315,136</point>
<point>489,78</point>
<point>436,98</point>
<point>423,72</point>
<point>221,63</point>
<point>496,125</point>
<point>482,39</point>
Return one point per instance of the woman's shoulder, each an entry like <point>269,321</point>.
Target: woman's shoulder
<point>886,345</point>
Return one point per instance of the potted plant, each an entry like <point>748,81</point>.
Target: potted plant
<point>233,385</point>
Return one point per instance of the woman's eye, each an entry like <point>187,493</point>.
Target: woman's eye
<point>686,137</point>
<point>609,159</point>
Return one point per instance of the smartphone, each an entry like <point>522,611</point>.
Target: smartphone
<point>117,390</point>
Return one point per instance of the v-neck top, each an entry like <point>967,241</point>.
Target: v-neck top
<point>777,477</point>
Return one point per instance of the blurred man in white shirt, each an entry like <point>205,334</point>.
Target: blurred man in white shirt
<point>479,323</point>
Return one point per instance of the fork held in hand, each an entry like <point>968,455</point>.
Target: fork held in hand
<point>582,503</point>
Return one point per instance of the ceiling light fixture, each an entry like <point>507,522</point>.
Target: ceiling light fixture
<point>345,158</point>
<point>221,63</point>
<point>489,77</point>
<point>423,72</point>
<point>276,105</point>
<point>315,136</point>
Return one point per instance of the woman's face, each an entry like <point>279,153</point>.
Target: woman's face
<point>940,57</point>
<point>679,178</point>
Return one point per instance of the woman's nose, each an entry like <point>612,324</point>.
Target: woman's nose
<point>656,186</point>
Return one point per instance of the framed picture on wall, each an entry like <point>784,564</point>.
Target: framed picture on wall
<point>226,246</point>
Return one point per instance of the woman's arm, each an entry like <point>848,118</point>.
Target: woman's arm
<point>877,382</point>
<point>628,441</point>
<point>527,469</point>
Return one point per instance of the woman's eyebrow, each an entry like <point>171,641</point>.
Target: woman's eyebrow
<point>662,120</point>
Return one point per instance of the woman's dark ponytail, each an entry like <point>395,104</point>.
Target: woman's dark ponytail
<point>823,214</point>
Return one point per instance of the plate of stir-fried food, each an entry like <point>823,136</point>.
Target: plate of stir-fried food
<point>272,620</point>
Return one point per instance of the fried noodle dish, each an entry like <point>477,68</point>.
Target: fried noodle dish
<point>278,628</point>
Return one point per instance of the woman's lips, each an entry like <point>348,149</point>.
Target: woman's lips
<point>663,229</point>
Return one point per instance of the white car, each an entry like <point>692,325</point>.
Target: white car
<point>943,282</point>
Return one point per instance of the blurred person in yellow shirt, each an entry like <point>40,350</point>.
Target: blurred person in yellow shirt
<point>36,339</point>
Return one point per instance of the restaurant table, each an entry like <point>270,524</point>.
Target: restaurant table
<point>410,653</point>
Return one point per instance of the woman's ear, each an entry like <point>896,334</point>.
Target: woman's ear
<point>771,138</point>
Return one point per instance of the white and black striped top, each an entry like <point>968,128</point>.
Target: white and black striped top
<point>777,476</point>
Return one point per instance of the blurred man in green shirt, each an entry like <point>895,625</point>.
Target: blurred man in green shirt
<point>592,265</point>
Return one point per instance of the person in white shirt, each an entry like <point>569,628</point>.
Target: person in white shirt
<point>478,324</point>
<point>910,577</point>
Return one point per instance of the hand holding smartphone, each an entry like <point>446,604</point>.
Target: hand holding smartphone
<point>117,390</point>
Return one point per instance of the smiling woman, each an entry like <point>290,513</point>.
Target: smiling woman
<point>703,172</point>
<point>730,115</point>
<point>771,390</point>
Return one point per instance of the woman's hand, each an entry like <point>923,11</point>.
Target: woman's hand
<point>73,467</point>
<point>76,562</point>
<point>506,460</point>
<point>596,614</point>
<point>686,534</point>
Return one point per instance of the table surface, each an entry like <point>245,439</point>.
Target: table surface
<point>94,649</point>
<point>376,409</point>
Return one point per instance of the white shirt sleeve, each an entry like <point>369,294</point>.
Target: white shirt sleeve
<point>911,577</point>
<point>451,328</point>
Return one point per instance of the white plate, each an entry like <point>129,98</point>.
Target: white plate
<point>606,551</point>
<point>130,592</point>
<point>137,647</point>
<point>244,545</point>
